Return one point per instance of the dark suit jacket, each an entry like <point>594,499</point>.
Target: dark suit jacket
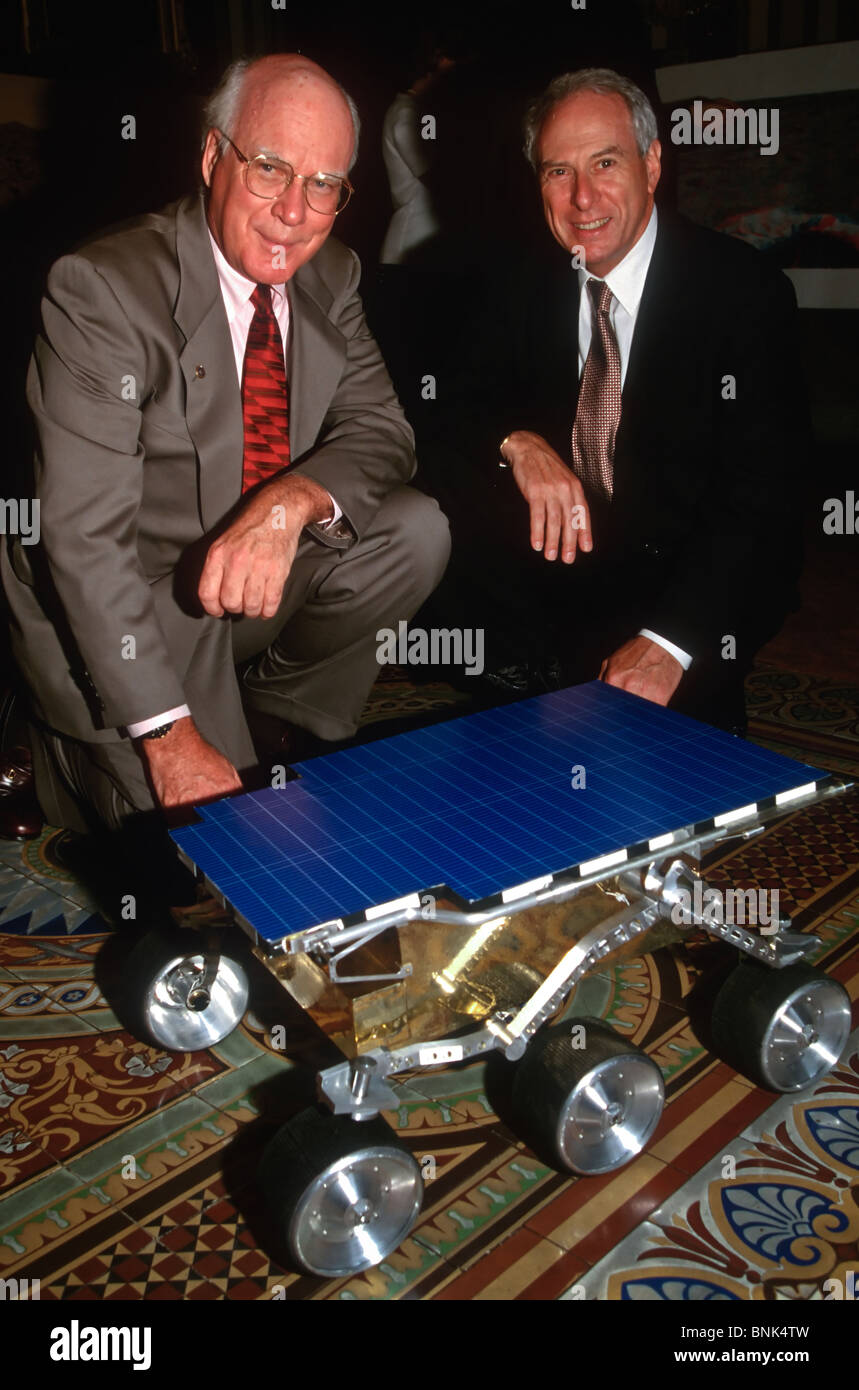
<point>704,531</point>
<point>137,406</point>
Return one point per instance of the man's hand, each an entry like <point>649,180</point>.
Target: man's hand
<point>555,496</point>
<point>643,668</point>
<point>185,769</point>
<point>249,563</point>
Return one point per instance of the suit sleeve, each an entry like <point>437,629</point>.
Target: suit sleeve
<point>740,561</point>
<point>365,445</point>
<point>89,480</point>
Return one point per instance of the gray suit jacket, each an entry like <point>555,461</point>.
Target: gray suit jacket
<point>137,406</point>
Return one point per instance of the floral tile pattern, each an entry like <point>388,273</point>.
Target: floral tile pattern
<point>773,1217</point>
<point>63,1096</point>
<point>129,1173</point>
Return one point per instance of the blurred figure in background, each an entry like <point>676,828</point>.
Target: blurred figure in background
<point>407,159</point>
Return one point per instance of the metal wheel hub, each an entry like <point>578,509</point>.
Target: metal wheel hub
<point>806,1036</point>
<point>182,1016</point>
<point>362,1213</point>
<point>179,982</point>
<point>610,1114</point>
<point>613,1114</point>
<point>357,1211</point>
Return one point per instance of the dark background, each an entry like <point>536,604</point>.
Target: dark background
<point>74,68</point>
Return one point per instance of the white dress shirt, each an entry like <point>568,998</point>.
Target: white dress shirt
<point>626,283</point>
<point>236,291</point>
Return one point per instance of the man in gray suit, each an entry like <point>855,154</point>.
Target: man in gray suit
<point>184,532</point>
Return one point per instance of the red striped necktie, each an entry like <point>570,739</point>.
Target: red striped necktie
<point>265,410</point>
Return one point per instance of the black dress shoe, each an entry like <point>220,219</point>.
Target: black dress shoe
<point>20,817</point>
<point>521,680</point>
<point>510,682</point>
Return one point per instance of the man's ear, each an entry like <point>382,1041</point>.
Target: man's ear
<point>211,155</point>
<point>653,164</point>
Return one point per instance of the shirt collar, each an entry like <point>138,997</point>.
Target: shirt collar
<point>237,289</point>
<point>626,281</point>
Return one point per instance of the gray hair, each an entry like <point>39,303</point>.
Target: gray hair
<point>605,82</point>
<point>221,110</point>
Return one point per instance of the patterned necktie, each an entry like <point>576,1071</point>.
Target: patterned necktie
<point>598,411</point>
<point>265,411</point>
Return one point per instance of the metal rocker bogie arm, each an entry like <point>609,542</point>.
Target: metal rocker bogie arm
<point>359,1087</point>
<point>679,888</point>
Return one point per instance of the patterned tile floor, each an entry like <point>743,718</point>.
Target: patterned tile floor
<point>128,1173</point>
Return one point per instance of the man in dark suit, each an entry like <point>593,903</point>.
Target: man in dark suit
<point>647,404</point>
<point>221,472</point>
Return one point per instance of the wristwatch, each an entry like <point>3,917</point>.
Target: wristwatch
<point>161,730</point>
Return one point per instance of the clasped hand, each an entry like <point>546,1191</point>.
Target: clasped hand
<point>248,565</point>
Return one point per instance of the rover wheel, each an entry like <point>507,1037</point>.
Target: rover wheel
<point>166,995</point>
<point>342,1194</point>
<point>590,1108</point>
<point>781,1028</point>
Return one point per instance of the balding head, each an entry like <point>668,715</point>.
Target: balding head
<point>289,109</point>
<point>243,80</point>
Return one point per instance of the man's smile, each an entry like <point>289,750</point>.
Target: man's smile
<point>591,226</point>
<point>277,243</point>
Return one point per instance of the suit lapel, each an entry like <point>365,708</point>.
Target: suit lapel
<point>213,396</point>
<point>315,359</point>
<point>656,325</point>
<point>656,342</point>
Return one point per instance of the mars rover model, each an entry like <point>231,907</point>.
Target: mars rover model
<point>435,896</point>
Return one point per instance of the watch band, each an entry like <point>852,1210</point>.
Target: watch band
<point>160,731</point>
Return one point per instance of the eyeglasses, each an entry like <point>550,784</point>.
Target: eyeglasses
<point>269,178</point>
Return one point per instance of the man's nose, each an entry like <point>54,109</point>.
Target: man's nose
<point>291,205</point>
<point>581,191</point>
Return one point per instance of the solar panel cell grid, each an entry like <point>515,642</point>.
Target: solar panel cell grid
<point>482,803</point>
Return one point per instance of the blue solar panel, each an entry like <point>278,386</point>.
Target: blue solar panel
<point>480,804</point>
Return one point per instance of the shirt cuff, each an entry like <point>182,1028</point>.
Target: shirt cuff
<point>143,726</point>
<point>677,652</point>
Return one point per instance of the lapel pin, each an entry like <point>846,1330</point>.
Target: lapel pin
<point>199,371</point>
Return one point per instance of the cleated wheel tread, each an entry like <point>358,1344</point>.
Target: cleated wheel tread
<point>342,1194</point>
<point>590,1109</point>
<point>783,1029</point>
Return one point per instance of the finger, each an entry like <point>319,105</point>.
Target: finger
<point>253,599</point>
<point>233,581</point>
<point>538,523</point>
<point>586,539</point>
<point>553,528</point>
<point>273,593</point>
<point>277,574</point>
<point>569,536</point>
<point>582,517</point>
<point>209,588</point>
